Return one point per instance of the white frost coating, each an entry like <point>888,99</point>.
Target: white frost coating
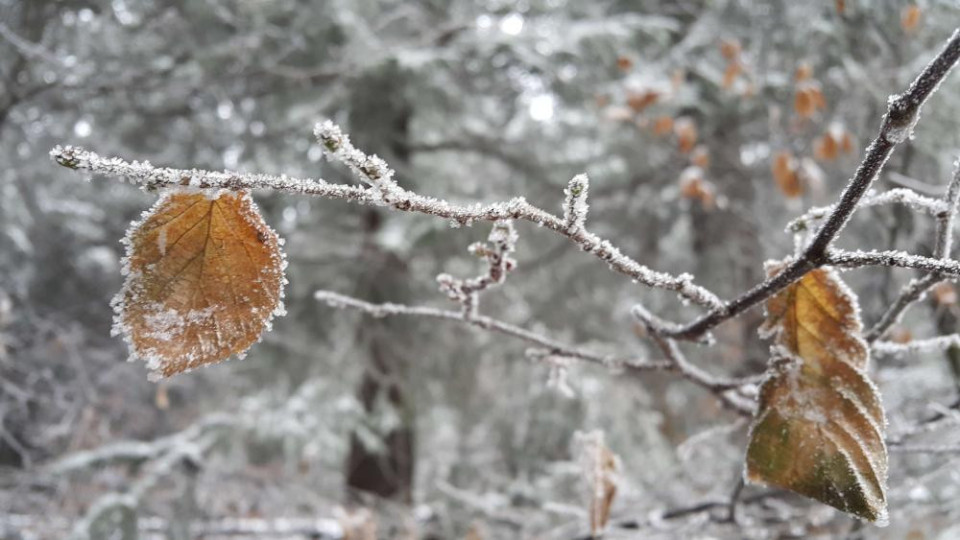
<point>917,346</point>
<point>575,205</point>
<point>383,191</point>
<point>908,197</point>
<point>151,178</point>
<point>902,259</point>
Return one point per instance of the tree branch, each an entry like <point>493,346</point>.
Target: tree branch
<point>555,348</point>
<point>902,114</point>
<point>915,290</point>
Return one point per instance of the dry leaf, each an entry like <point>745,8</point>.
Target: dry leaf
<point>816,318</point>
<point>910,18</point>
<point>662,125</point>
<point>730,49</point>
<point>599,465</point>
<point>808,99</point>
<point>804,72</point>
<point>638,101</point>
<point>819,430</point>
<point>624,63</point>
<point>944,293</point>
<point>846,143</point>
<point>784,170</point>
<point>693,186</point>
<point>700,156</point>
<point>841,6</point>
<point>686,131</point>
<point>204,278</point>
<point>825,148</point>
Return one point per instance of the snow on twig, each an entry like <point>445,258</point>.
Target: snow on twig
<point>384,190</point>
<point>917,288</point>
<point>554,347</point>
<point>916,346</point>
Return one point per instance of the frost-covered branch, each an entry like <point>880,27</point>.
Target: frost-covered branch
<point>916,289</point>
<point>496,250</point>
<point>384,190</point>
<point>908,197</point>
<point>903,111</point>
<point>917,346</point>
<point>372,170</point>
<point>575,205</point>
<point>901,259</point>
<point>149,177</point>
<point>556,348</point>
<point>723,388</point>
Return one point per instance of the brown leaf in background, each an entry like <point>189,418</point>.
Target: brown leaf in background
<point>638,101</point>
<point>910,18</point>
<point>784,169</point>
<point>599,465</point>
<point>695,187</point>
<point>662,125</point>
<point>808,99</point>
<point>700,156</point>
<point>819,429</point>
<point>205,276</point>
<point>730,49</point>
<point>686,131</point>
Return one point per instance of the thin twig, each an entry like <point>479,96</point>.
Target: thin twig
<point>903,196</point>
<point>555,348</point>
<point>901,259</point>
<point>915,290</point>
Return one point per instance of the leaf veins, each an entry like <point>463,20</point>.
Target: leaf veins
<point>819,430</point>
<point>204,278</point>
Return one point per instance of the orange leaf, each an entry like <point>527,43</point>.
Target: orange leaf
<point>825,148</point>
<point>784,170</point>
<point>204,278</point>
<point>638,101</point>
<point>624,63</point>
<point>815,318</point>
<point>662,125</point>
<point>730,49</point>
<point>693,186</point>
<point>819,429</point>
<point>910,18</point>
<point>803,72</point>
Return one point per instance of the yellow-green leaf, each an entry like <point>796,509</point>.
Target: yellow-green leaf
<point>819,429</point>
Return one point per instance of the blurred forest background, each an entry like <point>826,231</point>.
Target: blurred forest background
<point>338,423</point>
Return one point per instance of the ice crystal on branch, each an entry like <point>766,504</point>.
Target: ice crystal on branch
<point>575,205</point>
